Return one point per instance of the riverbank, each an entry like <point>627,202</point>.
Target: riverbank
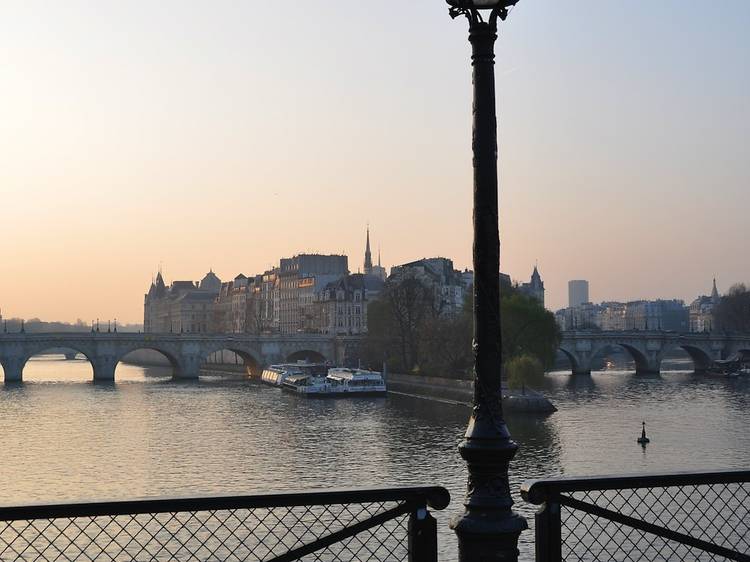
<point>454,391</point>
<point>462,392</point>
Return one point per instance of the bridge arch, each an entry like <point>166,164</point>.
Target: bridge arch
<point>171,357</point>
<point>308,355</point>
<point>582,360</point>
<point>701,357</point>
<point>252,363</point>
<point>573,358</point>
<point>641,361</point>
<point>13,367</point>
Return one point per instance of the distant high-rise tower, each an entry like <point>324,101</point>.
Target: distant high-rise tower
<point>368,254</point>
<point>578,292</point>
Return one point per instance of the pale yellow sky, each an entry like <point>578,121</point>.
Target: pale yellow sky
<point>224,135</point>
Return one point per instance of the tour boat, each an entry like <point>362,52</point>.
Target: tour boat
<point>306,384</point>
<point>741,371</point>
<point>354,382</point>
<point>275,375</point>
<point>339,382</point>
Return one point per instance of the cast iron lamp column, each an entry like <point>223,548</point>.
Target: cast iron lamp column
<point>488,530</point>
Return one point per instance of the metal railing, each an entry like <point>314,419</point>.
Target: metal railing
<point>386,524</point>
<point>684,516</point>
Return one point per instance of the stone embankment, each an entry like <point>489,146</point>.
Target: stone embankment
<point>462,392</point>
<point>432,388</point>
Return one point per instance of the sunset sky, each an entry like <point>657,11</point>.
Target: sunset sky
<point>227,134</point>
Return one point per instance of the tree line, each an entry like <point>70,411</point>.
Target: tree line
<point>411,331</point>
<point>36,325</point>
<point>732,314</point>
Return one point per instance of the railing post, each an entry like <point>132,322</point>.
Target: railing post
<point>548,532</point>
<point>422,536</point>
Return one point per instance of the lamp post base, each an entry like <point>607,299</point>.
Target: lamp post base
<point>488,530</point>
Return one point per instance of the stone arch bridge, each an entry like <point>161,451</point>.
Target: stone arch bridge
<point>648,348</point>
<point>185,352</point>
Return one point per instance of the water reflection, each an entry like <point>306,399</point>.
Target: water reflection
<point>64,437</point>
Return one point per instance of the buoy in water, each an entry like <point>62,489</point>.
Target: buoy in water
<point>643,440</point>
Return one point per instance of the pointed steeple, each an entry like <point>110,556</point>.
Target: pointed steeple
<point>535,277</point>
<point>160,287</point>
<point>715,292</point>
<point>379,264</point>
<point>368,254</point>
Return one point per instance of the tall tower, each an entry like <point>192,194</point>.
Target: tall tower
<point>715,293</point>
<point>368,254</point>
<point>578,292</point>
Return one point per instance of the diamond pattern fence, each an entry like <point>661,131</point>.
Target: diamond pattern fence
<point>321,526</point>
<point>687,516</point>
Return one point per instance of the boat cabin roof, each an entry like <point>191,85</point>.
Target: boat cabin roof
<point>354,374</point>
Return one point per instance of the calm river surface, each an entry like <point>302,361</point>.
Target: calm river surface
<point>63,437</point>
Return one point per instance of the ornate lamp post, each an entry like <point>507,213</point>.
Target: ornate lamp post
<point>488,530</point>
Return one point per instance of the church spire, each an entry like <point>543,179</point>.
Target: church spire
<point>715,292</point>
<point>368,254</point>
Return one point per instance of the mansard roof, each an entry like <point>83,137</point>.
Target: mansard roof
<point>210,282</point>
<point>182,286</point>
<point>356,281</point>
<point>196,296</point>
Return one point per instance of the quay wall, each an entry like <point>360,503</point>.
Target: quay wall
<point>452,390</point>
<point>462,392</point>
<point>456,391</point>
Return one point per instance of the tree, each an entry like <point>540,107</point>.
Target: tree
<point>446,345</point>
<point>524,371</point>
<point>732,314</point>
<point>408,332</point>
<point>254,323</point>
<point>411,303</point>
<point>528,329</point>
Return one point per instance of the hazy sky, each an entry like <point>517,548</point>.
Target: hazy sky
<point>227,134</point>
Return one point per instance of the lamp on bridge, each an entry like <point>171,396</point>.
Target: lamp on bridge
<point>488,529</point>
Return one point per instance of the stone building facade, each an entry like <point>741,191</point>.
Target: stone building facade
<point>184,306</point>
<point>301,278</point>
<point>447,283</point>
<point>702,311</point>
<point>341,308</point>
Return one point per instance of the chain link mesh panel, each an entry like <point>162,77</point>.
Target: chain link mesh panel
<point>232,535</point>
<point>715,513</point>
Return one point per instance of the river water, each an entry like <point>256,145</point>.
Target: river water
<point>64,438</point>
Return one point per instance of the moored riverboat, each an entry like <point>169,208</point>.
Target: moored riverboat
<point>338,382</point>
<point>306,384</point>
<point>354,382</point>
<point>732,367</point>
<point>275,375</point>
